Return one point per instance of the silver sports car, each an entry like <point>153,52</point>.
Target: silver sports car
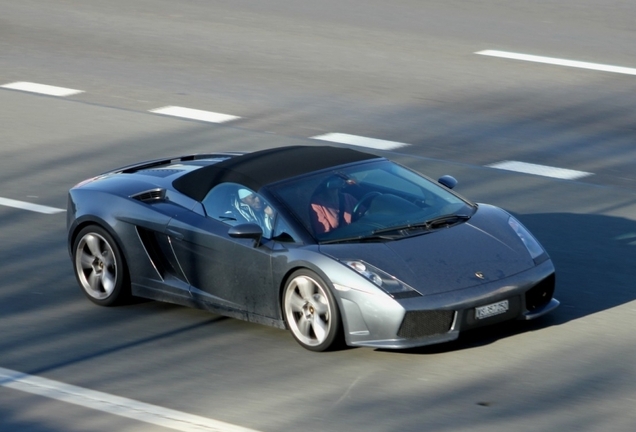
<point>334,244</point>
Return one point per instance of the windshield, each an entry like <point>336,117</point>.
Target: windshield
<point>370,201</point>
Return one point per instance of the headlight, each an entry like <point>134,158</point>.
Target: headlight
<point>533,246</point>
<point>392,286</point>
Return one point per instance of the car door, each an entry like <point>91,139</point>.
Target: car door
<point>221,270</point>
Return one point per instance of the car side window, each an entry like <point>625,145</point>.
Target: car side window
<point>282,232</point>
<point>218,203</point>
<point>233,204</point>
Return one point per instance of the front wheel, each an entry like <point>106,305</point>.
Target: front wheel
<point>99,266</point>
<point>311,312</point>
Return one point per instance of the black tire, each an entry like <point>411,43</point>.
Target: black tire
<point>311,312</point>
<point>100,268</point>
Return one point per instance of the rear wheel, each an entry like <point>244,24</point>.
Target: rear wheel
<point>99,266</point>
<point>311,312</point>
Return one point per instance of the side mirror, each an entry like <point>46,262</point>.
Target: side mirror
<point>247,230</point>
<point>448,181</point>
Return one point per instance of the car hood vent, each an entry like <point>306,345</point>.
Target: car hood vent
<point>151,195</point>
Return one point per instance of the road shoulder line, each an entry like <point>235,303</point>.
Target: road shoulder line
<point>116,405</point>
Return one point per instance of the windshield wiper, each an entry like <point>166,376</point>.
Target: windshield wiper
<point>427,225</point>
<point>380,234</point>
<point>362,238</point>
<point>446,220</point>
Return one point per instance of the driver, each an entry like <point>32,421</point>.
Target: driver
<point>330,207</point>
<point>253,209</point>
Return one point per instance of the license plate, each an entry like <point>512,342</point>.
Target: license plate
<point>491,309</point>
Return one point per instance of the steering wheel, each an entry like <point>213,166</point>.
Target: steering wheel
<point>362,206</point>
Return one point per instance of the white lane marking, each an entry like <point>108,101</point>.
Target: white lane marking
<point>542,170</point>
<point>41,88</point>
<point>360,141</point>
<point>116,405</point>
<point>559,62</point>
<point>194,114</point>
<point>29,206</point>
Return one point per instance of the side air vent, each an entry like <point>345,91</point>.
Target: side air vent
<point>151,195</point>
<point>160,172</point>
<point>160,253</point>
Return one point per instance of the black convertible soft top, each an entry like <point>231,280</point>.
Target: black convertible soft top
<point>257,169</point>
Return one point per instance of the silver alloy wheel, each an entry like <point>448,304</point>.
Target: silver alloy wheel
<point>307,311</point>
<point>96,267</point>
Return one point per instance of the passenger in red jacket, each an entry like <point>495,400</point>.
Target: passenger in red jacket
<point>330,207</point>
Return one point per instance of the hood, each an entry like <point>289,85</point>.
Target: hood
<point>447,259</point>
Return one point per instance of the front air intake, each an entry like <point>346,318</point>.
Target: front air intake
<point>426,323</point>
<point>540,294</point>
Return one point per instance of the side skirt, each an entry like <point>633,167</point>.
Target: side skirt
<point>152,294</point>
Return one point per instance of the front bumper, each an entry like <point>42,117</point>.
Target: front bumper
<point>387,323</point>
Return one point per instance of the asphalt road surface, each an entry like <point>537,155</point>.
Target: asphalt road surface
<point>408,79</point>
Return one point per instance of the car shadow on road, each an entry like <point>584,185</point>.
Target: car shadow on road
<point>594,257</point>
